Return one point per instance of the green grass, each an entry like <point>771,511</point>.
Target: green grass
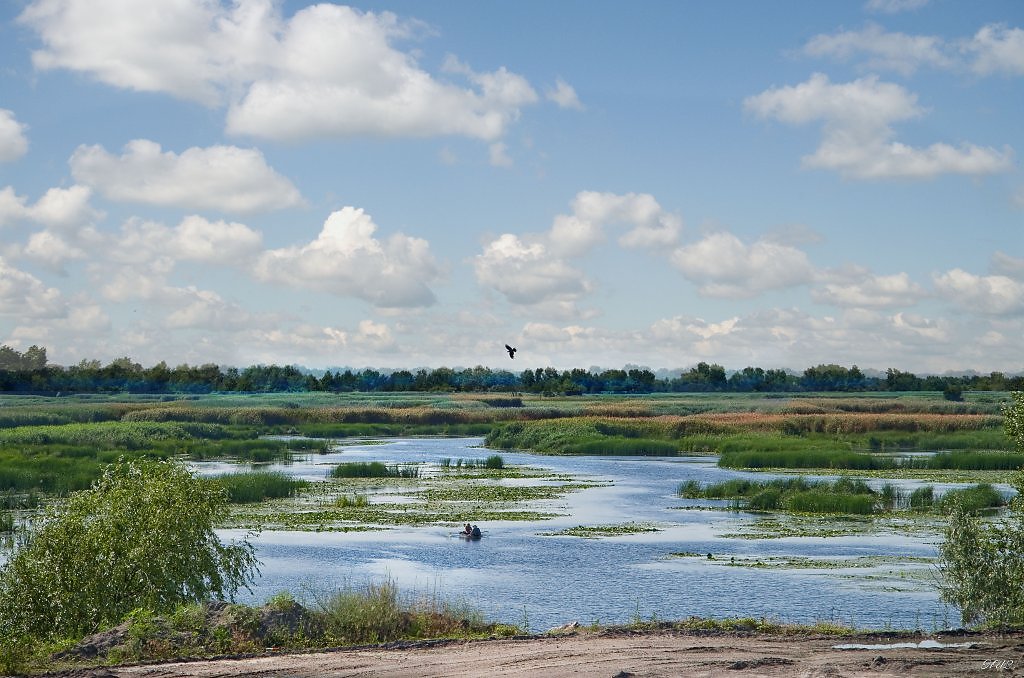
<point>255,486</point>
<point>377,613</point>
<point>373,613</point>
<point>865,461</point>
<point>373,469</point>
<point>977,498</point>
<point>845,495</point>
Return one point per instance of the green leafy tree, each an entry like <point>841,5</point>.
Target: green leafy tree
<point>141,537</point>
<point>1013,419</point>
<point>982,564</point>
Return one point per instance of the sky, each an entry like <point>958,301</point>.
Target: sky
<point>415,184</point>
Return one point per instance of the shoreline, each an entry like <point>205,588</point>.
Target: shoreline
<point>619,651</point>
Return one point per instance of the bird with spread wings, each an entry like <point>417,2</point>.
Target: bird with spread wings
<point>511,351</point>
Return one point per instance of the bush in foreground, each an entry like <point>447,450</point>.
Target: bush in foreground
<point>982,563</point>
<point>141,537</point>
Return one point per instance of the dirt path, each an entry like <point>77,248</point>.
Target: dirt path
<point>624,654</point>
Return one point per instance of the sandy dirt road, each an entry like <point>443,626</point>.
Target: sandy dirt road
<point>622,654</point>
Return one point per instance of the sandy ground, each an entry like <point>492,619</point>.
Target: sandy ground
<point>623,654</point>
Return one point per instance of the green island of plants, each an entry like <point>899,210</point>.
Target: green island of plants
<point>597,531</point>
<point>845,495</point>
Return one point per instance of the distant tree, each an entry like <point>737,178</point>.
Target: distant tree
<point>10,359</point>
<point>34,358</point>
<point>895,380</point>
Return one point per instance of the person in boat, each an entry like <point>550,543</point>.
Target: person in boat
<point>475,533</point>
<point>467,531</point>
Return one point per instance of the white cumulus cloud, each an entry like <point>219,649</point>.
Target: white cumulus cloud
<point>564,95</point>
<point>63,209</point>
<point>224,178</point>
<point>327,70</point>
<point>884,50</point>
<point>193,239</point>
<point>536,269</point>
<point>885,291</point>
<point>857,140</point>
<point>206,309</point>
<point>996,48</point>
<point>347,260</point>
<point>13,142</point>
<point>527,273</point>
<point>24,295</point>
<point>990,295</point>
<point>721,265</point>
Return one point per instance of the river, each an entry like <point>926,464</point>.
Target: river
<point>520,575</point>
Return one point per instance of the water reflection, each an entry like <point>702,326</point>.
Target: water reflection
<point>517,574</point>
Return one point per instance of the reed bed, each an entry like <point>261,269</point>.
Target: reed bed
<point>585,435</point>
<point>863,461</point>
<point>493,462</point>
<point>250,487</point>
<point>844,423</point>
<point>57,414</point>
<point>106,434</point>
<point>792,494</point>
<point>881,405</point>
<point>374,469</point>
<point>845,495</point>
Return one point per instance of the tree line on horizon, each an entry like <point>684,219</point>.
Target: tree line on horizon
<point>30,372</point>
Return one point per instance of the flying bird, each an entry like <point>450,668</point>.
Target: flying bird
<point>511,351</point>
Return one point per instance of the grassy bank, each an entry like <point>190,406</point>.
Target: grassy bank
<point>58,445</point>
<point>374,613</point>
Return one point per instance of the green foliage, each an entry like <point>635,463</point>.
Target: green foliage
<point>1013,419</point>
<point>845,495</point>
<point>141,537</point>
<point>972,499</point>
<point>355,501</point>
<point>983,569</point>
<point>373,469</point>
<point>376,613</point>
<point>922,498</point>
<point>254,486</point>
<point>862,461</point>
<point>495,461</point>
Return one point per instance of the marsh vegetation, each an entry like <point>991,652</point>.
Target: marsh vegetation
<point>279,467</point>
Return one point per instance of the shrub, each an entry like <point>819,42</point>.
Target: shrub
<point>972,499</point>
<point>141,537</point>
<point>982,564</point>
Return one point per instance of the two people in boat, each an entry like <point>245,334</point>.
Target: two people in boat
<point>470,532</point>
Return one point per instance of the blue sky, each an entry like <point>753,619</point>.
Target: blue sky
<point>406,184</point>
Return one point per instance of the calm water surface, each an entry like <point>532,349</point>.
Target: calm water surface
<point>518,575</point>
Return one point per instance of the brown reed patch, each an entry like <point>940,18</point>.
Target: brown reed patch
<point>849,422</point>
